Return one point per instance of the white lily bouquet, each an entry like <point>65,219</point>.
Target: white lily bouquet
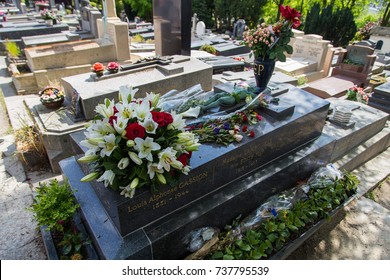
<point>134,143</point>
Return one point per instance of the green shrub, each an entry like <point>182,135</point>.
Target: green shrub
<point>208,48</point>
<point>12,48</point>
<point>273,234</point>
<point>54,205</point>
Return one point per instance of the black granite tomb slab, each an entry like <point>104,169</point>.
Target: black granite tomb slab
<point>215,166</point>
<point>276,88</point>
<point>379,99</point>
<point>383,90</point>
<point>230,49</point>
<point>222,63</point>
<point>164,240</point>
<point>32,30</point>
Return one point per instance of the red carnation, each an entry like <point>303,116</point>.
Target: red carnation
<point>244,128</point>
<point>134,130</point>
<point>288,13</point>
<point>252,134</point>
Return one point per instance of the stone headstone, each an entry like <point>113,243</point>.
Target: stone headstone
<point>238,30</point>
<point>200,28</point>
<point>172,25</point>
<point>358,54</point>
<point>379,45</point>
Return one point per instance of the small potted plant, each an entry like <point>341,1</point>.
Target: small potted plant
<point>51,97</point>
<point>98,69</point>
<point>113,67</point>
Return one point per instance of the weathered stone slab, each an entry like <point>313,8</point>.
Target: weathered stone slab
<point>334,86</point>
<point>215,166</point>
<point>158,79</point>
<point>222,63</point>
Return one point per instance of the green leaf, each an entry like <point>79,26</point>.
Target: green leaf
<point>228,257</point>
<point>77,247</point>
<point>66,250</point>
<point>289,49</point>
<point>281,57</point>
<point>272,237</point>
<point>217,255</point>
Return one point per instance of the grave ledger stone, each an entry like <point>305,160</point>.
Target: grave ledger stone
<point>225,181</point>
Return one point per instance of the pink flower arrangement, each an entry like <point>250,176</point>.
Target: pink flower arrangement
<point>272,41</point>
<point>357,94</point>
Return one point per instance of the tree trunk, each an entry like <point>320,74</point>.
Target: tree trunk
<point>386,16</point>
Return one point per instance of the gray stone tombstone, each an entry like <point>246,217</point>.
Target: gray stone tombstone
<point>239,28</point>
<point>172,26</point>
<point>379,45</point>
<point>200,28</point>
<point>358,55</point>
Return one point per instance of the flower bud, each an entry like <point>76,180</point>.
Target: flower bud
<point>87,159</point>
<point>161,178</point>
<point>130,143</point>
<point>123,163</point>
<point>134,157</point>
<point>134,183</point>
<point>90,177</point>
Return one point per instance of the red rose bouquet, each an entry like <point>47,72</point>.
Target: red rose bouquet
<point>134,143</point>
<point>272,41</point>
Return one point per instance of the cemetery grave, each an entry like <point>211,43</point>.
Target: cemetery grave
<point>222,177</point>
<point>294,138</point>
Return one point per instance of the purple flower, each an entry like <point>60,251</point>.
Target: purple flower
<point>226,126</point>
<point>216,130</point>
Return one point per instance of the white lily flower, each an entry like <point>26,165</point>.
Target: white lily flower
<point>167,158</point>
<point>149,124</point>
<point>188,139</point>
<point>186,169</point>
<point>123,163</point>
<point>191,113</point>
<point>120,125</point>
<point>153,169</point>
<point>92,149</point>
<point>142,110</point>
<point>108,146</point>
<point>178,122</point>
<point>126,94</point>
<point>134,157</point>
<point>127,192</point>
<point>154,99</point>
<point>106,109</point>
<point>108,178</point>
<point>124,110</point>
<point>145,147</point>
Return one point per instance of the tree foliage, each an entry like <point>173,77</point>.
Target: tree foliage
<point>226,10</point>
<point>336,26</point>
<point>204,10</point>
<point>143,8</point>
